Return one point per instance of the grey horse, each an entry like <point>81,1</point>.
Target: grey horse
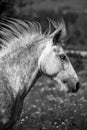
<point>25,55</point>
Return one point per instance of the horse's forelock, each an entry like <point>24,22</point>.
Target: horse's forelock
<point>58,26</point>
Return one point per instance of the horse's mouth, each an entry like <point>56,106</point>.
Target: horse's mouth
<point>72,87</point>
<point>67,85</point>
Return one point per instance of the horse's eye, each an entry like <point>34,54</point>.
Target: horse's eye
<point>62,56</point>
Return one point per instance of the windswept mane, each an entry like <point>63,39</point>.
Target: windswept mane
<point>15,33</point>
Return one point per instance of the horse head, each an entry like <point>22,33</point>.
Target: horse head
<point>54,62</point>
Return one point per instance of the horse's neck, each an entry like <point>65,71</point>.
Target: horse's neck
<point>20,66</point>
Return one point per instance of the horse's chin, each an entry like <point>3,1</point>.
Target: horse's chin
<point>63,87</point>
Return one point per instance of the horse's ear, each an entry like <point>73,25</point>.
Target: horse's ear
<point>59,35</point>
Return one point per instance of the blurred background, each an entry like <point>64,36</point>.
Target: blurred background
<point>45,108</point>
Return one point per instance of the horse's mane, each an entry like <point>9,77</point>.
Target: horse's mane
<point>15,33</point>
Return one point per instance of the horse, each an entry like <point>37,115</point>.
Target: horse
<point>26,54</point>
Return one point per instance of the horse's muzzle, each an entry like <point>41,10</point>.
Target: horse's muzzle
<point>78,85</point>
<point>72,84</point>
<point>74,88</point>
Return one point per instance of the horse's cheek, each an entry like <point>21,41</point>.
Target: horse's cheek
<point>51,65</point>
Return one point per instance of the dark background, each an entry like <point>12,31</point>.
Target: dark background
<point>45,108</point>
<point>74,13</point>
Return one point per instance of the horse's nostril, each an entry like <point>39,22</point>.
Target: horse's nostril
<point>77,86</point>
